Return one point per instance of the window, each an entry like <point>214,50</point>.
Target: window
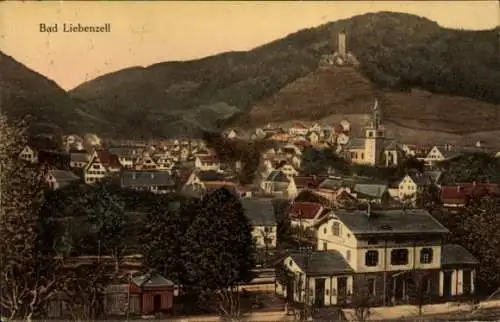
<point>324,230</point>
<point>362,156</point>
<point>267,229</point>
<point>370,134</point>
<point>426,256</point>
<point>371,258</point>
<point>268,241</point>
<point>348,255</point>
<point>325,246</point>
<point>290,263</point>
<point>399,256</point>
<point>336,229</point>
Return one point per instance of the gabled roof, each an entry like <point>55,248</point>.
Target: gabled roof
<point>63,175</point>
<point>319,263</point>
<point>210,159</point>
<point>260,212</point>
<point>355,144</point>
<point>391,145</point>
<point>108,159</point>
<point>211,175</point>
<point>453,254</point>
<point>146,178</point>
<point>394,221</point>
<point>277,176</point>
<point>331,184</point>
<point>306,210</point>
<point>54,159</point>
<point>79,157</point>
<point>307,182</point>
<point>370,190</point>
<point>151,280</point>
<point>299,125</point>
<point>124,152</point>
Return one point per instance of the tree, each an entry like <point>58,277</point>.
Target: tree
<point>469,167</point>
<point>481,223</point>
<point>84,290</point>
<point>318,161</point>
<point>106,214</point>
<point>362,299</point>
<point>29,272</point>
<point>476,229</point>
<point>219,250</point>
<point>429,198</point>
<point>419,288</point>
<point>163,236</point>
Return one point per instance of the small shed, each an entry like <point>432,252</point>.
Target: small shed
<point>153,293</point>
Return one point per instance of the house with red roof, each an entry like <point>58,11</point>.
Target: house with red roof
<point>102,163</point>
<point>298,128</point>
<point>306,214</point>
<point>458,195</point>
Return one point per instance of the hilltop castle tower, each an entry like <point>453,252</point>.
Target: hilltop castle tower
<point>341,56</point>
<point>341,45</point>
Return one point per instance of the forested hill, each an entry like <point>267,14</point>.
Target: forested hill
<point>397,52</point>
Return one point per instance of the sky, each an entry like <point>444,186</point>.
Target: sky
<point>145,33</point>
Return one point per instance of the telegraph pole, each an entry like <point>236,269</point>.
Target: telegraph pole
<point>306,311</point>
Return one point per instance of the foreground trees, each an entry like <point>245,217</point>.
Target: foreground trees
<point>476,228</point>
<point>217,253</point>
<point>29,272</point>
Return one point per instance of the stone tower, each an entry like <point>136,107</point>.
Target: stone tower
<point>341,45</point>
<point>374,136</point>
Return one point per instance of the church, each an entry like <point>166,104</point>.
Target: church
<point>374,149</point>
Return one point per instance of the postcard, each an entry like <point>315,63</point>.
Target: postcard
<point>249,160</point>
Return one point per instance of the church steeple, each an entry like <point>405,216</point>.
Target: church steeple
<point>375,129</point>
<point>376,117</point>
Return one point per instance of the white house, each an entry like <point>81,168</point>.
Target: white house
<point>298,128</point>
<point>313,137</point>
<point>260,212</point>
<point>279,185</point>
<point>383,252</point>
<point>407,189</point>
<point>207,163</point>
<point>441,153</point>
<point>101,164</point>
<point>346,126</point>
<point>145,162</point>
<point>29,154</point>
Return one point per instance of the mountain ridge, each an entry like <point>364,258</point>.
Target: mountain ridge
<point>399,55</point>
